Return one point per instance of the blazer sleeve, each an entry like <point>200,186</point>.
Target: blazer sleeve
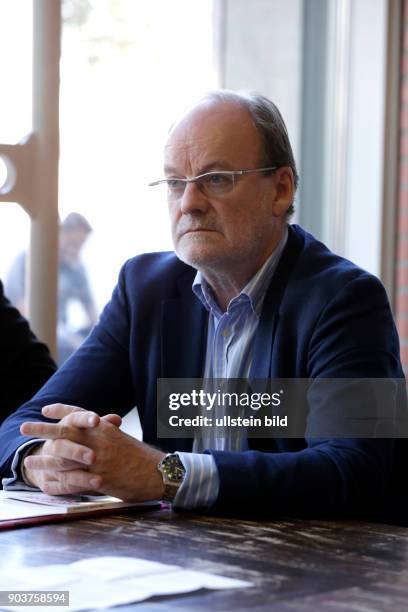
<point>25,363</point>
<point>97,377</point>
<point>354,337</point>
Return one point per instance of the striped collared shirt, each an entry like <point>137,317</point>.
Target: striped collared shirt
<point>229,354</point>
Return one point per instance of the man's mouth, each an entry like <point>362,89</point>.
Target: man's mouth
<point>198,229</point>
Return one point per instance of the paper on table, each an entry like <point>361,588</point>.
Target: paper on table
<point>35,501</point>
<point>19,508</point>
<point>11,509</point>
<point>109,581</point>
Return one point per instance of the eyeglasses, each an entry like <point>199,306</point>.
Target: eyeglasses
<point>216,183</point>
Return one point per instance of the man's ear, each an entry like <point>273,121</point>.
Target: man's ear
<point>284,184</point>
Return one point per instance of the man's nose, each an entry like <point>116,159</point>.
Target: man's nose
<point>193,199</point>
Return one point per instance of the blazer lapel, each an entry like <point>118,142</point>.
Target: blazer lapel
<point>262,360</point>
<point>183,333</point>
<point>261,363</point>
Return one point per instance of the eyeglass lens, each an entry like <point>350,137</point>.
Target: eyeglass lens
<point>211,184</point>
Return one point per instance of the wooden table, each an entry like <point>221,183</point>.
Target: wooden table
<point>295,565</point>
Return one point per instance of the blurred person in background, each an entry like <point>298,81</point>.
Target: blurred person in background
<point>73,285</point>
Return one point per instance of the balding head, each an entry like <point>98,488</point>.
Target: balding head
<point>226,127</point>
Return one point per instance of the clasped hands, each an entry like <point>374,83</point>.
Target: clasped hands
<point>84,452</point>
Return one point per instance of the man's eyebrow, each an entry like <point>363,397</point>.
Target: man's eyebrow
<point>169,170</point>
<point>219,164</point>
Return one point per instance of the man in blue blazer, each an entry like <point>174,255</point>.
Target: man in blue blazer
<point>246,295</point>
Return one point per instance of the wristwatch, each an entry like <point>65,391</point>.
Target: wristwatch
<point>173,472</point>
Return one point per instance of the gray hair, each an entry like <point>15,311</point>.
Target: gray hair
<point>277,150</point>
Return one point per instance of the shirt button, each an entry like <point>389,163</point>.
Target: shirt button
<point>226,333</point>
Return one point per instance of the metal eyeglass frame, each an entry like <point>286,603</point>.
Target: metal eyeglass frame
<point>194,179</point>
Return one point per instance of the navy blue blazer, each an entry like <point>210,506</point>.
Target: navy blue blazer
<point>322,317</point>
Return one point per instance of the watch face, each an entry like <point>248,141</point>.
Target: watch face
<point>173,468</point>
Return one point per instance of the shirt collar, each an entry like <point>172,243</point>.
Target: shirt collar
<point>253,292</point>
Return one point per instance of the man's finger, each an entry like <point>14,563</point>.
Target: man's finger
<point>71,451</point>
<point>115,419</point>
<point>48,431</point>
<point>83,419</point>
<point>59,411</point>
<point>49,462</point>
<point>74,481</point>
<point>39,430</point>
<point>63,429</point>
